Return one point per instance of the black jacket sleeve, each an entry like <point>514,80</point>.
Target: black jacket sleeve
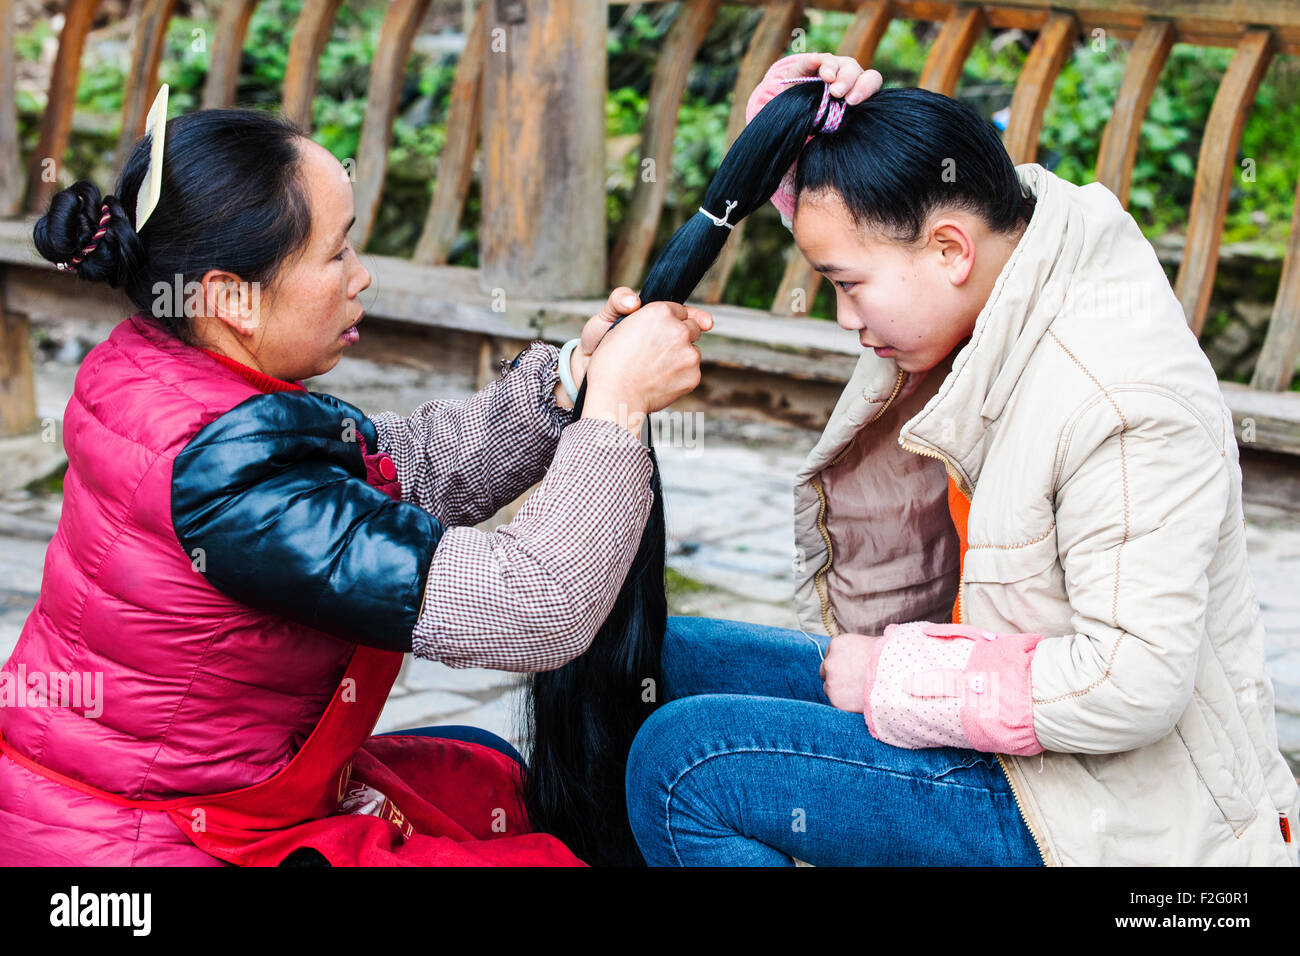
<point>270,501</point>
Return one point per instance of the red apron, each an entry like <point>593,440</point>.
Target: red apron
<point>423,801</point>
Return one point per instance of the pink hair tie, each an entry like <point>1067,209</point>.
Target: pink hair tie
<point>94,241</point>
<point>831,109</point>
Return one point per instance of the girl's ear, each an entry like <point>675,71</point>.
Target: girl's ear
<point>953,241</point>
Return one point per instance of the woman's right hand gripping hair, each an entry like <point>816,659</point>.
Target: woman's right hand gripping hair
<point>644,363</point>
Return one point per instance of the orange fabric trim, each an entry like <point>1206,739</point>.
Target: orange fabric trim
<point>959,509</point>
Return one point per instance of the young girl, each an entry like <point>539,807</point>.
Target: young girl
<point>241,563</point>
<point>1034,448</point>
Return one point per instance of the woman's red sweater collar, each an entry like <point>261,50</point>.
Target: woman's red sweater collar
<point>259,380</point>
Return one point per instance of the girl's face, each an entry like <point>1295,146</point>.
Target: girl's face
<point>297,329</point>
<point>912,303</point>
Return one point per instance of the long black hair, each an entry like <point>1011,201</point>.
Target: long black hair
<point>232,199</point>
<point>886,162</point>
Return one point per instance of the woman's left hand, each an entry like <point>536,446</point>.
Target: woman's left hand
<point>622,302</point>
<point>844,671</point>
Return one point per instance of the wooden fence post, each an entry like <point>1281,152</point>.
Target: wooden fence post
<point>17,382</point>
<point>543,184</point>
<point>11,184</point>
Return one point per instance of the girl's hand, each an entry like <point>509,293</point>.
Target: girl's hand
<point>844,671</point>
<point>846,76</point>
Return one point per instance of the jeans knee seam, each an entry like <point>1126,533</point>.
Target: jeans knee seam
<point>937,781</point>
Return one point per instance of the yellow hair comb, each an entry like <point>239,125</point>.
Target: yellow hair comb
<point>155,126</point>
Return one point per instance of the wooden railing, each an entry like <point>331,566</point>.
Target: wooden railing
<point>529,95</point>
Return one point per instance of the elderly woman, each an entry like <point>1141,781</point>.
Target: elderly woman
<point>244,562</point>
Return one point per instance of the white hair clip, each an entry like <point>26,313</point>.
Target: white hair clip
<point>723,221</point>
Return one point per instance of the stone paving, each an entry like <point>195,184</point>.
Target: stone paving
<point>728,506</point>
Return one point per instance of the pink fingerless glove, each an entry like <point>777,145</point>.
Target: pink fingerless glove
<point>783,198</point>
<point>952,685</point>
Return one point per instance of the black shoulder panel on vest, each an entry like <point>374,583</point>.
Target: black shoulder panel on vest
<point>271,502</point>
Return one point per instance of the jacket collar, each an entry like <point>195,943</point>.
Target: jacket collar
<point>1027,296</point>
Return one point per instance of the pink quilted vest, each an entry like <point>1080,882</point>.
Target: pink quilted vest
<point>198,694</point>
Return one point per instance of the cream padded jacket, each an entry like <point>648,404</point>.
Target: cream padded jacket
<point>1087,426</point>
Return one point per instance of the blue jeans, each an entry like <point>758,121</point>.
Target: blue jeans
<point>748,764</point>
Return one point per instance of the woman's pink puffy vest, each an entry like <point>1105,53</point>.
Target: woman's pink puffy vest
<point>200,694</point>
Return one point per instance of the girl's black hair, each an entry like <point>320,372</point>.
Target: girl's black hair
<point>231,199</point>
<point>904,154</point>
<point>886,161</point>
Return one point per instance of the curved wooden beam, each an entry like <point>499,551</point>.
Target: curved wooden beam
<point>142,76</point>
<point>942,70</point>
<point>770,39</point>
<point>1275,367</point>
<point>632,247</point>
<point>226,52</point>
<point>1216,168</point>
<point>384,90</point>
<point>310,33</point>
<point>1034,88</point>
<point>1119,140</point>
<point>800,282</point>
<point>456,164</point>
<point>56,124</point>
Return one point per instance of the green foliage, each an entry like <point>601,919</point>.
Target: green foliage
<point>679,585</point>
<point>1081,104</point>
<point>1259,209</point>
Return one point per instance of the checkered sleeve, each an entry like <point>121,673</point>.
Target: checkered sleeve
<point>531,595</point>
<point>463,460</point>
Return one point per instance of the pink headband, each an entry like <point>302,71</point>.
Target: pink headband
<point>99,234</point>
<point>832,109</point>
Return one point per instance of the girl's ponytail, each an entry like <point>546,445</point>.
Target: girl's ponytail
<point>750,173</point>
<point>584,715</point>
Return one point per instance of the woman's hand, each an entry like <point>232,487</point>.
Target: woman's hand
<point>844,671</point>
<point>847,78</point>
<point>622,301</point>
<point>648,362</point>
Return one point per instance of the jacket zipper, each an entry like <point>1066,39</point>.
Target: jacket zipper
<point>819,579</point>
<point>961,585</point>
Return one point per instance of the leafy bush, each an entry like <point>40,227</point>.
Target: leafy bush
<point>1259,209</point>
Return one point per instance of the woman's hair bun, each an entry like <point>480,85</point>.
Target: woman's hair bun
<point>232,198</point>
<point>70,224</point>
